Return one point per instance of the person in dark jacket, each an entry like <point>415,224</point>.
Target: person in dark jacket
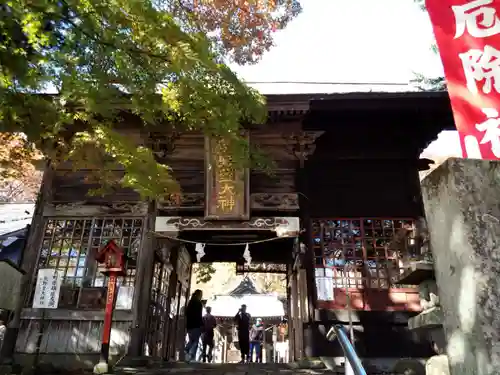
<point>256,339</point>
<point>242,320</point>
<point>207,339</point>
<point>194,324</point>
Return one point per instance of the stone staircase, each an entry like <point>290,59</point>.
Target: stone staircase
<point>235,369</point>
<point>221,369</point>
<point>180,368</point>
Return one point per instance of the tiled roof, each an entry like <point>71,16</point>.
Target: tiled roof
<point>15,216</point>
<point>246,286</point>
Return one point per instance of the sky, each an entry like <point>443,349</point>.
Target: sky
<point>362,41</point>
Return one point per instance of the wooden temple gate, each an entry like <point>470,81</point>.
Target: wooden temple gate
<point>343,165</point>
<point>70,226</point>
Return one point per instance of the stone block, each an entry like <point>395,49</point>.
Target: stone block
<point>428,293</point>
<point>415,272</point>
<point>409,366</point>
<point>427,319</point>
<point>462,206</point>
<point>437,365</point>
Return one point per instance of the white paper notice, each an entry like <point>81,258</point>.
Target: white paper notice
<point>48,287</point>
<point>124,297</point>
<point>324,284</point>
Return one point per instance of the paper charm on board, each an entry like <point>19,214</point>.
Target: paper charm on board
<point>246,255</point>
<point>200,251</point>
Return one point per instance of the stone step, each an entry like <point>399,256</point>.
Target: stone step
<point>179,368</point>
<point>221,369</point>
<point>152,367</point>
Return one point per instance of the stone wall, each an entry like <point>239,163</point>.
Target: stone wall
<point>462,205</point>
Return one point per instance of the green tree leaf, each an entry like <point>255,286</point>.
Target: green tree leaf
<point>159,60</point>
<point>204,272</point>
<point>424,83</point>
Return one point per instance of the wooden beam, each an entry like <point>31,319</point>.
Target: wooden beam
<point>258,201</point>
<point>284,226</point>
<point>74,315</point>
<point>82,209</point>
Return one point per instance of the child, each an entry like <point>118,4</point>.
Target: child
<point>256,340</point>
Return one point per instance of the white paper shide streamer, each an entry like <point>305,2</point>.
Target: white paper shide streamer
<point>246,255</point>
<point>200,251</point>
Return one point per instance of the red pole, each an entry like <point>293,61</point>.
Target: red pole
<point>108,317</point>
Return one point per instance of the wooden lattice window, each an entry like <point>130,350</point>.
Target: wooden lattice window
<point>70,245</point>
<point>361,253</point>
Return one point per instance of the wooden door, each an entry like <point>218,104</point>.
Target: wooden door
<point>157,324</point>
<point>172,320</point>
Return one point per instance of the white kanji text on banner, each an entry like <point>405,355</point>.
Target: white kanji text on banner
<point>476,17</point>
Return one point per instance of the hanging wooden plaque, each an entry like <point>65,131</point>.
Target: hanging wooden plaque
<point>226,188</point>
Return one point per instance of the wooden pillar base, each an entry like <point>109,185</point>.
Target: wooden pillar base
<point>9,345</point>
<point>137,338</point>
<point>311,340</point>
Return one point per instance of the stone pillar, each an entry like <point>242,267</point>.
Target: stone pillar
<point>462,206</point>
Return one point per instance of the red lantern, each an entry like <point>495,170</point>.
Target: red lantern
<point>113,258</point>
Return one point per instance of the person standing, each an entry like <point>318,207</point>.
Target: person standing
<point>242,320</point>
<point>256,339</point>
<point>207,338</point>
<point>194,324</point>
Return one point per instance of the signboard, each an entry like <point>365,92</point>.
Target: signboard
<point>468,36</point>
<point>242,268</point>
<point>324,284</point>
<point>227,189</point>
<point>124,298</point>
<point>48,287</point>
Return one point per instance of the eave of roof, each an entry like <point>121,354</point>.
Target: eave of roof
<point>15,217</point>
<point>301,101</point>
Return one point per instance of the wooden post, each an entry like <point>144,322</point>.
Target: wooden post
<point>290,304</point>
<point>302,147</point>
<point>114,260</point>
<point>172,291</point>
<point>108,317</point>
<point>295,326</point>
<point>310,329</point>
<point>41,331</point>
<point>28,265</point>
<point>264,347</point>
<point>142,293</point>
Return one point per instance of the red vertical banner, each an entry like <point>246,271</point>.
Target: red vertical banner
<point>468,37</point>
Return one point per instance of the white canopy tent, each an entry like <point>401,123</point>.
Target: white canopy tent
<point>258,305</point>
